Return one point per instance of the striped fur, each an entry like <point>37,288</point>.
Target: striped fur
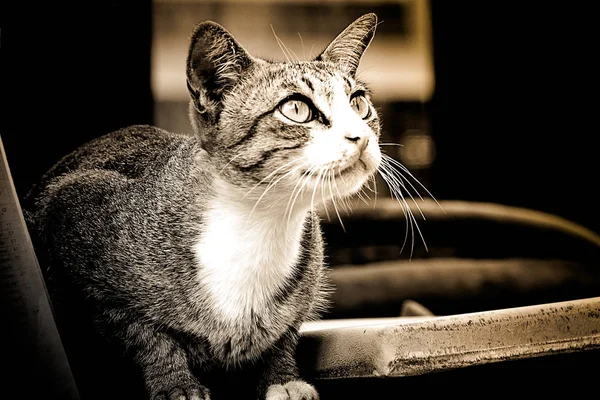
<point>203,252</point>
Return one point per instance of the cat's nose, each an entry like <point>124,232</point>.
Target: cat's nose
<point>361,141</point>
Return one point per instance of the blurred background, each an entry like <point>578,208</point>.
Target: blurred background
<point>493,101</point>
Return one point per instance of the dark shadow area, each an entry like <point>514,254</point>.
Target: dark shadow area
<point>565,374</point>
<point>70,72</point>
<point>513,110</point>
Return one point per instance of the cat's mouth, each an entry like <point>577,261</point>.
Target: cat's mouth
<point>352,167</point>
<point>338,169</point>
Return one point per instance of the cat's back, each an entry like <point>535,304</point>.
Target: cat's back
<point>139,155</point>
<point>135,168</point>
<point>132,152</point>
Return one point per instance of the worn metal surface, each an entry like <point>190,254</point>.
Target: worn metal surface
<point>413,346</point>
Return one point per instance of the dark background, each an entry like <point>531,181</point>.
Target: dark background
<point>514,107</point>
<point>69,74</point>
<point>512,116</point>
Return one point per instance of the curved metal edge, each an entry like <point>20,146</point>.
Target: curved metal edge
<point>387,347</point>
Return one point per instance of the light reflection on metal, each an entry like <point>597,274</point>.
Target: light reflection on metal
<point>419,345</point>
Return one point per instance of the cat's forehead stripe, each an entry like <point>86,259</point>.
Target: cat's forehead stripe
<point>348,83</point>
<point>308,83</point>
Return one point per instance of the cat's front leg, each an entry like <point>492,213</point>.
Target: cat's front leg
<point>164,364</point>
<point>280,379</point>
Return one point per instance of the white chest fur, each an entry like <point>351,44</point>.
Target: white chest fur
<point>245,257</point>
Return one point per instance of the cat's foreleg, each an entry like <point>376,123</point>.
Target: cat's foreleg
<point>280,379</point>
<point>164,364</point>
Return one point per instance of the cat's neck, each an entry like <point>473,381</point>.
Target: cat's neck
<point>247,250</point>
<point>259,208</point>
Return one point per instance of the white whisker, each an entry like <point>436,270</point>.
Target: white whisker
<point>401,179</point>
<point>281,45</point>
<point>394,179</point>
<point>296,192</point>
<point>312,198</point>
<point>271,174</point>
<point>397,163</point>
<point>273,183</point>
<point>345,201</point>
<point>229,162</point>
<point>311,50</point>
<point>374,190</point>
<point>398,196</point>
<point>302,43</point>
<point>322,185</point>
<point>392,161</point>
<point>329,178</point>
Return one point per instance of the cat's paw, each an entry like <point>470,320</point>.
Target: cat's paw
<point>293,390</point>
<point>190,392</point>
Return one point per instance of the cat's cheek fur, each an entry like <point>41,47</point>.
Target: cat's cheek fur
<point>372,155</point>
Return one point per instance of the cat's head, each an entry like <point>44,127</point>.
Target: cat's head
<point>292,127</point>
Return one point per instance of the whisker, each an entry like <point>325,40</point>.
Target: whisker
<point>289,51</point>
<point>360,196</point>
<point>312,199</point>
<point>311,50</point>
<point>296,192</point>
<point>273,183</point>
<point>281,45</point>
<point>401,179</point>
<point>271,174</point>
<point>363,196</point>
<point>374,190</point>
<point>414,219</point>
<point>230,161</point>
<point>330,177</point>
<point>398,196</point>
<point>302,43</point>
<point>395,188</point>
<point>344,200</point>
<point>397,163</point>
<point>322,184</point>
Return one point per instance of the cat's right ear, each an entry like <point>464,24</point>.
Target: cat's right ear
<point>215,63</point>
<point>348,47</point>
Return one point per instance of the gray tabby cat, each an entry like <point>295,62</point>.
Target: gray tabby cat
<point>205,250</point>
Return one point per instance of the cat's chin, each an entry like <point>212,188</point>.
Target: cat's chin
<point>355,182</point>
<point>345,182</point>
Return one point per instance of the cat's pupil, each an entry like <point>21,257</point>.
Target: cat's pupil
<point>359,104</point>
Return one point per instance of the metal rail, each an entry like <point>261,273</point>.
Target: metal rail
<point>413,346</point>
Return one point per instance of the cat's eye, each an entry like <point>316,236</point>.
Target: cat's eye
<point>360,106</point>
<point>297,110</point>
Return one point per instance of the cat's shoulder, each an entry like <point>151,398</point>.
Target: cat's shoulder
<point>139,137</point>
<point>131,151</point>
<point>135,152</point>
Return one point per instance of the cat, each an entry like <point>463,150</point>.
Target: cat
<point>204,251</point>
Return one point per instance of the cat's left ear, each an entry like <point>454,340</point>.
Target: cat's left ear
<point>215,63</point>
<point>347,48</point>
